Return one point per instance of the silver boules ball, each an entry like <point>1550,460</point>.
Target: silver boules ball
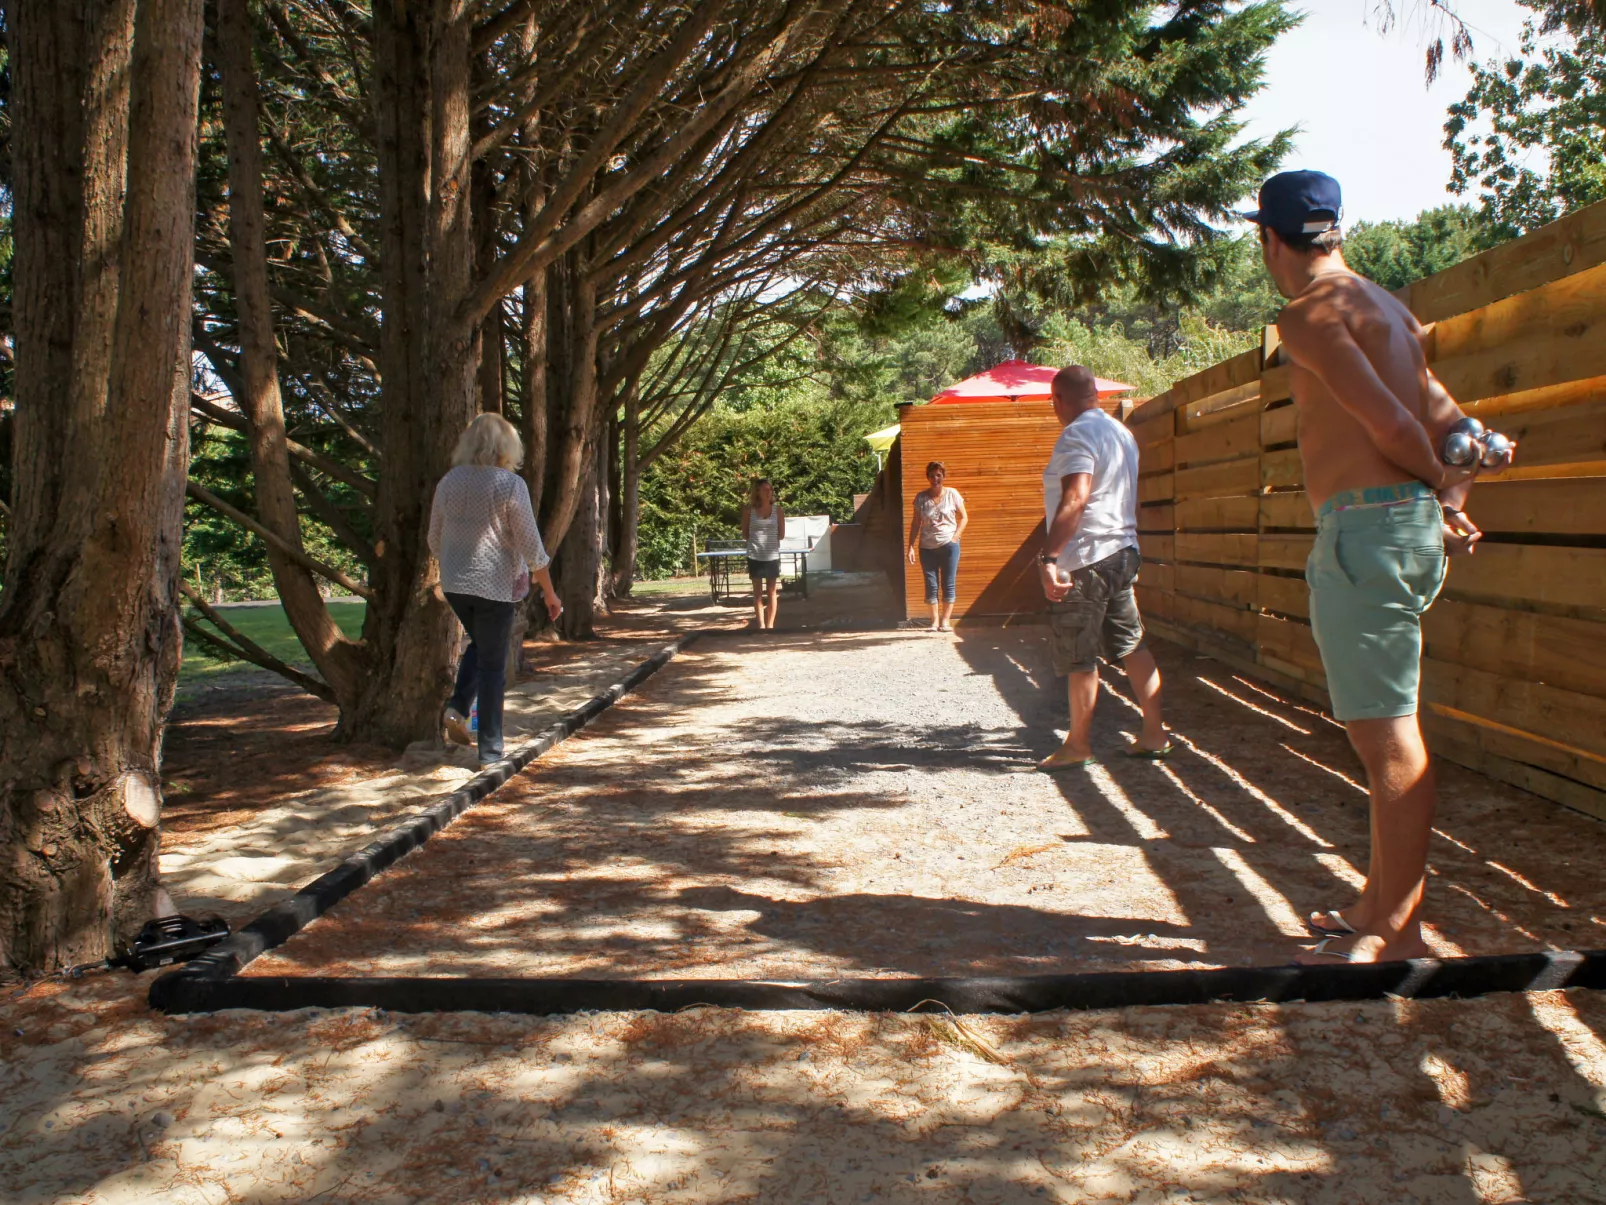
<point>1460,450</point>
<point>1496,450</point>
<point>1469,427</point>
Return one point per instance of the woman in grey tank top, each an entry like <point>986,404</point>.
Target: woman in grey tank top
<point>764,527</point>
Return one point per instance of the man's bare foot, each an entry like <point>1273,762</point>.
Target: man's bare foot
<point>1364,947</point>
<point>1066,758</point>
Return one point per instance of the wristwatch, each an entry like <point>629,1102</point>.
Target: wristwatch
<point>1048,558</point>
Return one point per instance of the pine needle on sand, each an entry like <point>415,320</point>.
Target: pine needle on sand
<point>951,1031</point>
<point>1021,852</point>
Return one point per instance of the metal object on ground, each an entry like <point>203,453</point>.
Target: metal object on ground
<point>170,939</point>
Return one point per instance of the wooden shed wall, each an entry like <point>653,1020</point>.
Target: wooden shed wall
<point>1514,664</point>
<point>995,453</point>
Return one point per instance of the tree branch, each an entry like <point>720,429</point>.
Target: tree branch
<point>205,496</point>
<point>244,648</point>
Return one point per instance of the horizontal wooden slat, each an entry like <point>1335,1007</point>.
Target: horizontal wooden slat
<point>1157,488</point>
<point>1531,574</point>
<point>1562,248</point>
<point>1495,410</point>
<point>1157,458</point>
<point>1285,595</point>
<point>1546,768</point>
<point>1159,429</point>
<point>1570,435</point>
<point>1239,370</point>
<point>1157,548</point>
<point>1284,551</point>
<point>1222,407</point>
<point>1282,467</point>
<point>1157,517</point>
<point>1198,613</point>
<point>1560,506</point>
<point>1222,441</point>
<point>1152,603</point>
<point>1573,353</point>
<point>1573,719</point>
<point>1157,576</point>
<point>1230,587</point>
<point>1218,514</point>
<point>1567,653</point>
<point>1288,646</point>
<point>1219,480</point>
<point>1276,384</point>
<point>1225,549</point>
<point>1287,511</point>
<point>1579,298</point>
<point>1158,406</point>
<point>1279,425</point>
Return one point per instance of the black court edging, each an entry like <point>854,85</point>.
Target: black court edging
<point>1419,979</point>
<point>212,981</point>
<point>192,986</point>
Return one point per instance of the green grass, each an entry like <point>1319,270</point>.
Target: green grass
<point>670,586</point>
<point>267,626</point>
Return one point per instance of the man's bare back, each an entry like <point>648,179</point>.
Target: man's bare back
<point>1343,327</point>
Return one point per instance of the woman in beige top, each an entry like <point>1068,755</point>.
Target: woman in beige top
<point>939,520</point>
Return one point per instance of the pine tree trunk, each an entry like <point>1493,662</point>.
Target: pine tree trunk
<point>422,95</point>
<point>571,393</point>
<point>340,661</point>
<point>104,139</point>
<point>627,541</point>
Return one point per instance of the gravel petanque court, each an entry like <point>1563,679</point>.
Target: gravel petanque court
<point>820,805</point>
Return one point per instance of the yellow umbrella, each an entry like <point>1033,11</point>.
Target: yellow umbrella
<point>881,441</point>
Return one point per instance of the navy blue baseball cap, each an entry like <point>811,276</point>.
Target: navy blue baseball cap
<point>1299,203</point>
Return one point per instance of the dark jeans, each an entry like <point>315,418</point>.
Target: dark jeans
<point>941,566</point>
<point>483,670</point>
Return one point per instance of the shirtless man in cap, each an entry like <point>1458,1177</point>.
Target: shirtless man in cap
<point>1371,416</point>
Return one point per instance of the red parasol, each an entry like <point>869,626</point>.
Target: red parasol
<point>1013,381</point>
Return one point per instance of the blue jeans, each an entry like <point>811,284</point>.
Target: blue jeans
<point>483,670</point>
<point>941,566</point>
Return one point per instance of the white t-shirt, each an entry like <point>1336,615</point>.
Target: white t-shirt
<point>939,517</point>
<point>1096,443</point>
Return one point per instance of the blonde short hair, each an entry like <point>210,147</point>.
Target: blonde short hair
<point>490,440</point>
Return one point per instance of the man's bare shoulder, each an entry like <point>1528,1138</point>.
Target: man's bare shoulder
<point>1340,300</point>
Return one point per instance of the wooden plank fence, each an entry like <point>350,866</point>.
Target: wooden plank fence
<point>1514,668</point>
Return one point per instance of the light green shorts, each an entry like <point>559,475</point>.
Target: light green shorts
<point>1378,564</point>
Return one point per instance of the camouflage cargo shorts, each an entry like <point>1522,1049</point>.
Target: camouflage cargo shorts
<point>1099,617</point>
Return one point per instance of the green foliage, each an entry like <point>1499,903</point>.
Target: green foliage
<point>1395,253</point>
<point>1530,138</point>
<point>1110,353</point>
<point>223,560</point>
<point>813,449</point>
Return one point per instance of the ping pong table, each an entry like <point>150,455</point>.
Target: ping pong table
<point>721,559</point>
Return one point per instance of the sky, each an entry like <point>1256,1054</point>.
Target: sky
<point>1365,114</point>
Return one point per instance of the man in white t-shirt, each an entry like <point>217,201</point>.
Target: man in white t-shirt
<point>1089,562</point>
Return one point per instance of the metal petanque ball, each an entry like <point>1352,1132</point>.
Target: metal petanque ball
<point>1496,451</point>
<point>1460,450</point>
<point>1470,427</point>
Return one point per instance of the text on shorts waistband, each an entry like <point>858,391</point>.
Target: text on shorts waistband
<point>1374,496</point>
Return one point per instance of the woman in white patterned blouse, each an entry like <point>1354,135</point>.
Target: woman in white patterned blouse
<point>483,532</point>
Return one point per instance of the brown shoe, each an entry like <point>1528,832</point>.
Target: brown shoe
<point>457,728</point>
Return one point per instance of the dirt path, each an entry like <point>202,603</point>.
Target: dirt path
<point>819,805</point>
<point>1495,1100</point>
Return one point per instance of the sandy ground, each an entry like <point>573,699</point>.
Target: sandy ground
<point>865,803</point>
<point>1500,1099</point>
<point>264,823</point>
<point>1441,1102</point>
